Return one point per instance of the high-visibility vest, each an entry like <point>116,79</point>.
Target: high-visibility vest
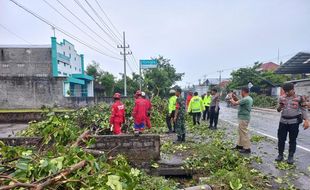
<point>196,105</point>
<point>172,104</point>
<point>207,100</point>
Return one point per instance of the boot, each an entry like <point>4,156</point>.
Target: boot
<point>290,159</point>
<point>237,147</point>
<point>279,158</point>
<point>183,137</point>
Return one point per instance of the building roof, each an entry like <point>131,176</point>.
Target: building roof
<point>269,66</point>
<point>23,46</point>
<point>299,64</point>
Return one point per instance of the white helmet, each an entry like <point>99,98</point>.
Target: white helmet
<point>143,94</point>
<point>172,91</point>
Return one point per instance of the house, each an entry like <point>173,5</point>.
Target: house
<point>298,64</point>
<point>35,75</point>
<point>269,66</point>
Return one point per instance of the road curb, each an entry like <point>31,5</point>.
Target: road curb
<point>264,109</point>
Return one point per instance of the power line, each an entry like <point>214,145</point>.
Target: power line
<point>14,34</point>
<point>85,24</point>
<point>83,8</point>
<point>63,31</point>
<point>77,26</point>
<point>106,15</point>
<point>103,22</point>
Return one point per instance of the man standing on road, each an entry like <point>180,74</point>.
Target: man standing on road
<point>293,112</point>
<point>214,109</point>
<point>245,106</point>
<point>206,102</point>
<point>171,111</point>
<point>195,108</point>
<point>179,117</point>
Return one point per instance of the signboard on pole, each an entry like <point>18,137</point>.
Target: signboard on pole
<point>148,64</point>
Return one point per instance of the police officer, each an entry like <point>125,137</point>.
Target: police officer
<point>206,102</point>
<point>171,110</point>
<point>179,117</point>
<point>195,107</point>
<point>214,109</point>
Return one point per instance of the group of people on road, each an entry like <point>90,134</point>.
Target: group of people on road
<point>293,110</point>
<point>141,113</point>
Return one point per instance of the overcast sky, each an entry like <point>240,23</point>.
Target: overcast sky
<point>199,36</point>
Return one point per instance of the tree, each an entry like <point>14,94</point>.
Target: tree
<point>262,79</point>
<point>106,79</point>
<point>160,79</point>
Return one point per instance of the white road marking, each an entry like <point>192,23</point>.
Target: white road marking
<point>270,136</point>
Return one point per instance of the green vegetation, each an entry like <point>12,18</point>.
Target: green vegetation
<point>156,81</point>
<point>263,101</point>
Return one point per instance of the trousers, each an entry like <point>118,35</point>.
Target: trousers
<point>214,116</point>
<point>292,130</point>
<point>244,139</point>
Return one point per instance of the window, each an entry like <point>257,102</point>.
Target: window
<point>75,68</point>
<point>5,65</point>
<point>75,59</point>
<point>70,55</point>
<point>59,72</point>
<point>20,65</point>
<point>69,48</point>
<point>21,75</point>
<point>65,74</point>
<point>70,66</point>
<point>64,64</point>
<point>64,53</point>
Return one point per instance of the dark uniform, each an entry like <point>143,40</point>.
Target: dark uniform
<point>180,121</point>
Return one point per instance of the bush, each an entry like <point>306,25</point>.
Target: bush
<point>263,101</point>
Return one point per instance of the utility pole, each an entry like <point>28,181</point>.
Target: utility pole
<point>220,77</point>
<point>124,53</point>
<point>279,56</point>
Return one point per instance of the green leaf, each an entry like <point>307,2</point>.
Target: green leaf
<point>22,166</point>
<point>114,182</point>
<point>155,165</point>
<point>235,185</point>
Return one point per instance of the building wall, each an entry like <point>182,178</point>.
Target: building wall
<point>303,88</point>
<point>25,61</point>
<point>30,92</point>
<point>69,62</point>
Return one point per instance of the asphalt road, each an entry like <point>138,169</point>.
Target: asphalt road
<point>266,123</point>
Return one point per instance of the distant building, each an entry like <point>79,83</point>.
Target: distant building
<point>269,66</point>
<point>32,76</point>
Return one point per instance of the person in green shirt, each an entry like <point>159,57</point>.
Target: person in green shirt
<point>244,116</point>
<point>172,101</point>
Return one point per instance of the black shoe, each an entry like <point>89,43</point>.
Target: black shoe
<point>245,151</point>
<point>237,147</point>
<point>183,138</point>
<point>290,160</point>
<point>279,158</point>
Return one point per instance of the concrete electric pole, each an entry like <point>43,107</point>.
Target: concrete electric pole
<point>124,53</point>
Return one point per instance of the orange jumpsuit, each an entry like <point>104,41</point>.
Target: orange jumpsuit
<point>117,117</point>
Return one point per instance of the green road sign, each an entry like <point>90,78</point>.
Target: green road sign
<point>148,64</point>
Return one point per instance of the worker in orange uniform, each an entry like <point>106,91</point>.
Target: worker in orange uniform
<point>118,114</point>
<point>188,98</point>
<point>139,113</point>
<point>149,109</point>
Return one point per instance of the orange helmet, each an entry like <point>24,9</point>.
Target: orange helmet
<point>117,96</point>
